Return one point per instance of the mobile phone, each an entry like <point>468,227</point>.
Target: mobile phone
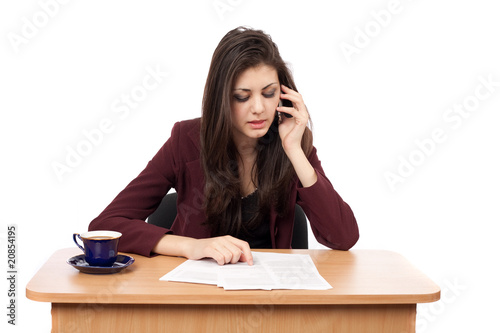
<point>286,103</point>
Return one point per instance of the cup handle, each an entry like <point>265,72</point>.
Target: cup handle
<point>76,242</point>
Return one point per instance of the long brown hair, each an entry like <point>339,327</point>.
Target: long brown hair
<point>239,50</point>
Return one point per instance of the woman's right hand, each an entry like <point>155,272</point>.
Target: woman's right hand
<point>223,249</point>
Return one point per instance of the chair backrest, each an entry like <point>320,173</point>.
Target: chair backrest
<point>166,212</point>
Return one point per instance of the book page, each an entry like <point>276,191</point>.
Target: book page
<point>269,271</point>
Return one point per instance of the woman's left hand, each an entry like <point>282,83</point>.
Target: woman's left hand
<point>292,129</point>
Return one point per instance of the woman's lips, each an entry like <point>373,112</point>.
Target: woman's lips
<point>257,124</point>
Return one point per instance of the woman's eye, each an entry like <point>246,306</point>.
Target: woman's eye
<point>269,95</point>
<point>240,98</point>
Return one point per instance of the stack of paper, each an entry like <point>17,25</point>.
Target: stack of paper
<point>269,271</point>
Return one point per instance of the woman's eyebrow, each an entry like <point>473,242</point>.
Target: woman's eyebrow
<point>246,89</point>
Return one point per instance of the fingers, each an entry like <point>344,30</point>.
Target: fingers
<point>299,108</point>
<point>246,253</point>
<point>227,249</point>
<point>292,129</point>
<point>292,96</point>
<point>292,112</point>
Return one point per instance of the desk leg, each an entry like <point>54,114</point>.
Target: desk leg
<point>395,318</point>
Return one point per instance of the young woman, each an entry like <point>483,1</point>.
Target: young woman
<point>238,171</point>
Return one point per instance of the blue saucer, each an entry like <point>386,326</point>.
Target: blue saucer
<point>122,262</point>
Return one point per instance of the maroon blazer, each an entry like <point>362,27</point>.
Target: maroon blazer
<point>177,165</point>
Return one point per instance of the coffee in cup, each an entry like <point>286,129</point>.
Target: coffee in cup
<point>100,246</point>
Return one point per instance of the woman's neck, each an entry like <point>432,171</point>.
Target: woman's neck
<point>247,154</point>
<point>246,147</point>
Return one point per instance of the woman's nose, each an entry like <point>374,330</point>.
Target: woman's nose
<point>258,106</point>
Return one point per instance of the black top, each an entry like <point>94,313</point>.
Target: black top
<point>260,236</point>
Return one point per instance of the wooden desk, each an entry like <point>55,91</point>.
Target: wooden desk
<point>373,291</point>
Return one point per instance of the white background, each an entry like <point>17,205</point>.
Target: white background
<point>63,75</point>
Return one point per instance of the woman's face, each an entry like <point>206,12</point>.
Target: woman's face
<point>254,100</point>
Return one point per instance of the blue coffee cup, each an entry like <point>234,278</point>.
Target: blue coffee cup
<point>100,246</point>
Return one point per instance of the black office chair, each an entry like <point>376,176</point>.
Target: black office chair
<point>166,212</point>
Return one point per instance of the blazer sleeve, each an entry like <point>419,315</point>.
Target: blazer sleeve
<point>332,220</point>
<point>128,211</point>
